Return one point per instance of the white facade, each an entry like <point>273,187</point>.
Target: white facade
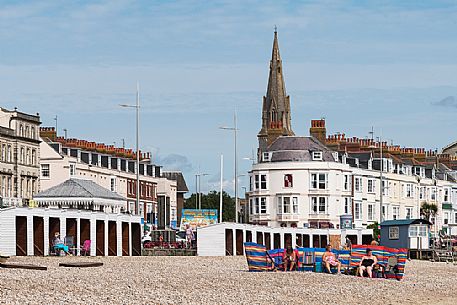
<point>58,167</point>
<point>300,193</point>
<point>19,157</point>
<point>213,240</point>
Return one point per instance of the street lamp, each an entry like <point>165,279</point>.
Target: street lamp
<point>235,131</point>
<point>198,199</point>
<point>137,107</point>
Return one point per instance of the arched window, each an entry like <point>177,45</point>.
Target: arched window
<point>3,152</point>
<point>33,133</point>
<point>21,130</point>
<point>27,131</point>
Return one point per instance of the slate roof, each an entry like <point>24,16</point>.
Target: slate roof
<point>293,148</point>
<point>180,181</point>
<point>78,188</point>
<point>402,222</point>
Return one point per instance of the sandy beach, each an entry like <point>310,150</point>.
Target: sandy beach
<point>213,280</point>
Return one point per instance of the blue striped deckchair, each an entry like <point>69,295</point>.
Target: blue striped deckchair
<point>276,255</point>
<point>256,256</point>
<point>305,259</point>
<point>344,256</point>
<point>318,253</point>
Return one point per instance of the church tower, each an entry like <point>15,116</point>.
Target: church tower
<point>276,104</point>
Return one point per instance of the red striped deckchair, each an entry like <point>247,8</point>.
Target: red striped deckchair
<point>256,256</point>
<point>382,254</point>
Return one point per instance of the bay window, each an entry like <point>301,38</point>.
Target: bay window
<point>319,205</point>
<point>263,205</point>
<point>263,182</point>
<point>370,211</point>
<point>347,205</point>
<point>370,186</point>
<point>319,181</point>
<point>395,212</point>
<point>288,205</point>
<point>358,184</point>
<point>409,212</point>
<point>358,210</point>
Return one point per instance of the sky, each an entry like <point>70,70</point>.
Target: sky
<point>390,65</point>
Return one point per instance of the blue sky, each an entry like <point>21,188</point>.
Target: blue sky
<point>357,63</point>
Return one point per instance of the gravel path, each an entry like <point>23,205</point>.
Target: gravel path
<point>214,280</point>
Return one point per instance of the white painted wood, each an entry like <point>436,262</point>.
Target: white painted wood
<point>93,235</point>
<point>106,236</point>
<point>29,234</point>
<point>7,232</point>
<point>211,239</point>
<point>119,238</point>
<point>8,227</point>
<point>46,234</point>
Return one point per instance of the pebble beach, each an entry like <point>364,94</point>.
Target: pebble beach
<point>213,280</point>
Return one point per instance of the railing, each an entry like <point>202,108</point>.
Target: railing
<point>319,216</point>
<point>259,217</point>
<point>288,217</point>
<point>12,202</point>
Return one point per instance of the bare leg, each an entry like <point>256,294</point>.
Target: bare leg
<point>361,270</point>
<point>327,266</point>
<point>292,265</point>
<point>370,273</point>
<point>339,267</point>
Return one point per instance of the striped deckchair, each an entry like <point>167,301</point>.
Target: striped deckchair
<point>344,256</point>
<point>256,256</point>
<point>305,259</point>
<point>277,255</point>
<point>382,254</point>
<point>400,256</point>
<point>318,253</point>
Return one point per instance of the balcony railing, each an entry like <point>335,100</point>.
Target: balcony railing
<point>288,217</point>
<point>12,202</point>
<point>259,217</point>
<point>319,216</point>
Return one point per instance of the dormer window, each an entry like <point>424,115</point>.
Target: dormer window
<point>266,156</point>
<point>317,156</point>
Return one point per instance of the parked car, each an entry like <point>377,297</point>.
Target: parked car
<point>181,236</point>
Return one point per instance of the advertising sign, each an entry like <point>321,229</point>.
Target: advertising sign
<point>197,218</point>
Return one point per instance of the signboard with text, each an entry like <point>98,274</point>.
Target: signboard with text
<point>197,218</point>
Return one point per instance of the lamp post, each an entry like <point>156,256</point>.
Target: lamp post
<point>198,203</point>
<point>137,107</point>
<point>381,187</point>
<point>235,131</point>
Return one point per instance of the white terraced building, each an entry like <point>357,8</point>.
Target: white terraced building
<point>301,183</point>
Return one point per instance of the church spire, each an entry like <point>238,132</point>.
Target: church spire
<point>276,103</point>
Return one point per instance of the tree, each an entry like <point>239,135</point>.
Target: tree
<point>211,201</point>
<point>376,230</point>
<point>428,210</point>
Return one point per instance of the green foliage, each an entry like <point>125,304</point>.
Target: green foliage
<point>376,230</point>
<point>211,201</point>
<point>428,210</point>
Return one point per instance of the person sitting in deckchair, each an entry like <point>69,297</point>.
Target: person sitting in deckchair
<point>329,259</point>
<point>58,244</point>
<point>367,263</point>
<point>289,258</point>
